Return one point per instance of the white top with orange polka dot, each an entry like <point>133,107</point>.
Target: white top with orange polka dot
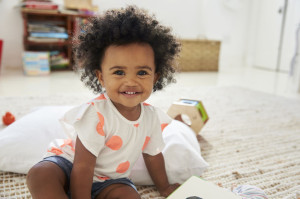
<point>115,141</point>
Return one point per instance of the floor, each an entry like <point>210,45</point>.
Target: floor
<point>14,83</point>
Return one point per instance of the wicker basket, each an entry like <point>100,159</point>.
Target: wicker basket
<point>199,55</point>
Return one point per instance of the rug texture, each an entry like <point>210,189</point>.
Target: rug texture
<point>251,138</point>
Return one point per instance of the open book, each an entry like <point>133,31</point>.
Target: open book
<point>197,188</point>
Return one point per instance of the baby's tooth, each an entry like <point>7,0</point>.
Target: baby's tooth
<point>130,93</point>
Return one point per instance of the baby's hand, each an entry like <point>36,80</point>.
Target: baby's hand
<point>168,190</point>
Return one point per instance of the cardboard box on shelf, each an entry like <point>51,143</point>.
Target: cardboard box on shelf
<point>80,5</point>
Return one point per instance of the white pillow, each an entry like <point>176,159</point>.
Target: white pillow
<point>24,143</point>
<point>181,153</point>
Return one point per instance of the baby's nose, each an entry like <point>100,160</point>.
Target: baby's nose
<point>131,81</point>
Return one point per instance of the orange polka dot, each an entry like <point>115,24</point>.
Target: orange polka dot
<point>56,151</point>
<point>115,142</point>
<point>146,104</point>
<point>101,118</point>
<point>136,125</point>
<point>101,97</point>
<point>163,126</point>
<point>146,142</point>
<point>100,124</point>
<point>68,142</point>
<point>102,178</point>
<point>99,129</point>
<point>123,167</point>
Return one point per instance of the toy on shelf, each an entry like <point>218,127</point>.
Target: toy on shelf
<point>194,109</point>
<point>8,118</point>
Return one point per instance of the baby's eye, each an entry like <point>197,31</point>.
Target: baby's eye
<point>142,73</point>
<point>119,72</point>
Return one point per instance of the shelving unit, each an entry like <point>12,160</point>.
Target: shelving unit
<point>68,22</point>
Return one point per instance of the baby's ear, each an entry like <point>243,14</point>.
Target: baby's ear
<point>156,77</point>
<point>100,77</point>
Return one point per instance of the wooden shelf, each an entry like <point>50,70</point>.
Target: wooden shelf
<point>53,13</point>
<point>67,20</point>
<point>33,43</point>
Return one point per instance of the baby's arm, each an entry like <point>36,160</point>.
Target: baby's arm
<point>82,172</point>
<point>156,168</point>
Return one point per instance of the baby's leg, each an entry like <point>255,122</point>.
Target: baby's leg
<point>118,191</point>
<point>47,180</point>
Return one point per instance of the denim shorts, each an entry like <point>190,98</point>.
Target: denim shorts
<point>97,187</point>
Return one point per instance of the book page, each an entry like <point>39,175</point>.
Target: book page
<point>197,188</point>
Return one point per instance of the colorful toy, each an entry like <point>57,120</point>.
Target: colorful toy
<point>194,109</point>
<point>8,118</point>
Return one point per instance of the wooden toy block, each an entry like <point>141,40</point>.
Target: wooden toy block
<point>194,109</point>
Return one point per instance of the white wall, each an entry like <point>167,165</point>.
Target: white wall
<point>11,31</point>
<point>228,21</point>
<point>225,20</point>
<point>185,17</point>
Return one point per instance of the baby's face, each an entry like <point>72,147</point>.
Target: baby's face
<point>128,74</point>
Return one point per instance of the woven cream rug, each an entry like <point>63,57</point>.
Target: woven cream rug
<point>251,138</point>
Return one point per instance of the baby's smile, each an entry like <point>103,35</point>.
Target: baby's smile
<point>131,93</point>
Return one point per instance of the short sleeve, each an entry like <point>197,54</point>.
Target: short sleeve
<point>90,130</point>
<point>155,143</point>
<point>164,118</point>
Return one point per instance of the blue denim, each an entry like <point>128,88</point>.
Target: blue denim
<point>97,187</point>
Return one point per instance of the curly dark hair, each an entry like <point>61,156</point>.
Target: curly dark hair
<point>121,27</point>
